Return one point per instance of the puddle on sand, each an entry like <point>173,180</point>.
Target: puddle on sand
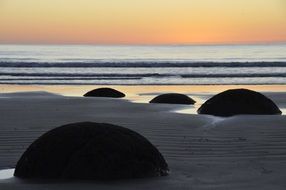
<point>6,174</point>
<point>186,110</point>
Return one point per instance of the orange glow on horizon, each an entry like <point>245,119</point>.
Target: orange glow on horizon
<point>142,22</point>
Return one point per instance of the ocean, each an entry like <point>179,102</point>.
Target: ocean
<point>142,65</point>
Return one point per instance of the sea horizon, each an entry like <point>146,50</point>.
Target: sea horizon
<point>149,44</point>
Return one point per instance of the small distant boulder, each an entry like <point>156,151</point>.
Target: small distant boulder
<point>105,92</point>
<point>239,102</point>
<point>91,151</point>
<point>173,98</point>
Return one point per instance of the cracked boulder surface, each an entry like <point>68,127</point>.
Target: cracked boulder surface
<point>105,92</point>
<point>91,151</point>
<point>239,102</point>
<point>173,98</point>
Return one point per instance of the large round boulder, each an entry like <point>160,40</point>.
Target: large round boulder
<point>173,98</point>
<point>105,92</point>
<point>93,151</point>
<point>239,102</point>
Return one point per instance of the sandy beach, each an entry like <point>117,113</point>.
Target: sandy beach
<point>203,152</point>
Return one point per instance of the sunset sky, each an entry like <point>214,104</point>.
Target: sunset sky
<point>142,21</point>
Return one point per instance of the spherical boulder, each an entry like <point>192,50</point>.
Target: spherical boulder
<point>105,92</point>
<point>92,151</point>
<point>239,102</point>
<point>173,98</point>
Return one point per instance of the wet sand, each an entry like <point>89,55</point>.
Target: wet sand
<point>203,152</point>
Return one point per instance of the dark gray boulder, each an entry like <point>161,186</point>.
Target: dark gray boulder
<point>92,151</point>
<point>105,92</point>
<point>239,102</point>
<point>173,98</point>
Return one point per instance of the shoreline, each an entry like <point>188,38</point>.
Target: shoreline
<point>78,90</point>
<point>144,93</point>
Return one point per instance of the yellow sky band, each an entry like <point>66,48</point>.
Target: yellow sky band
<point>142,22</point>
